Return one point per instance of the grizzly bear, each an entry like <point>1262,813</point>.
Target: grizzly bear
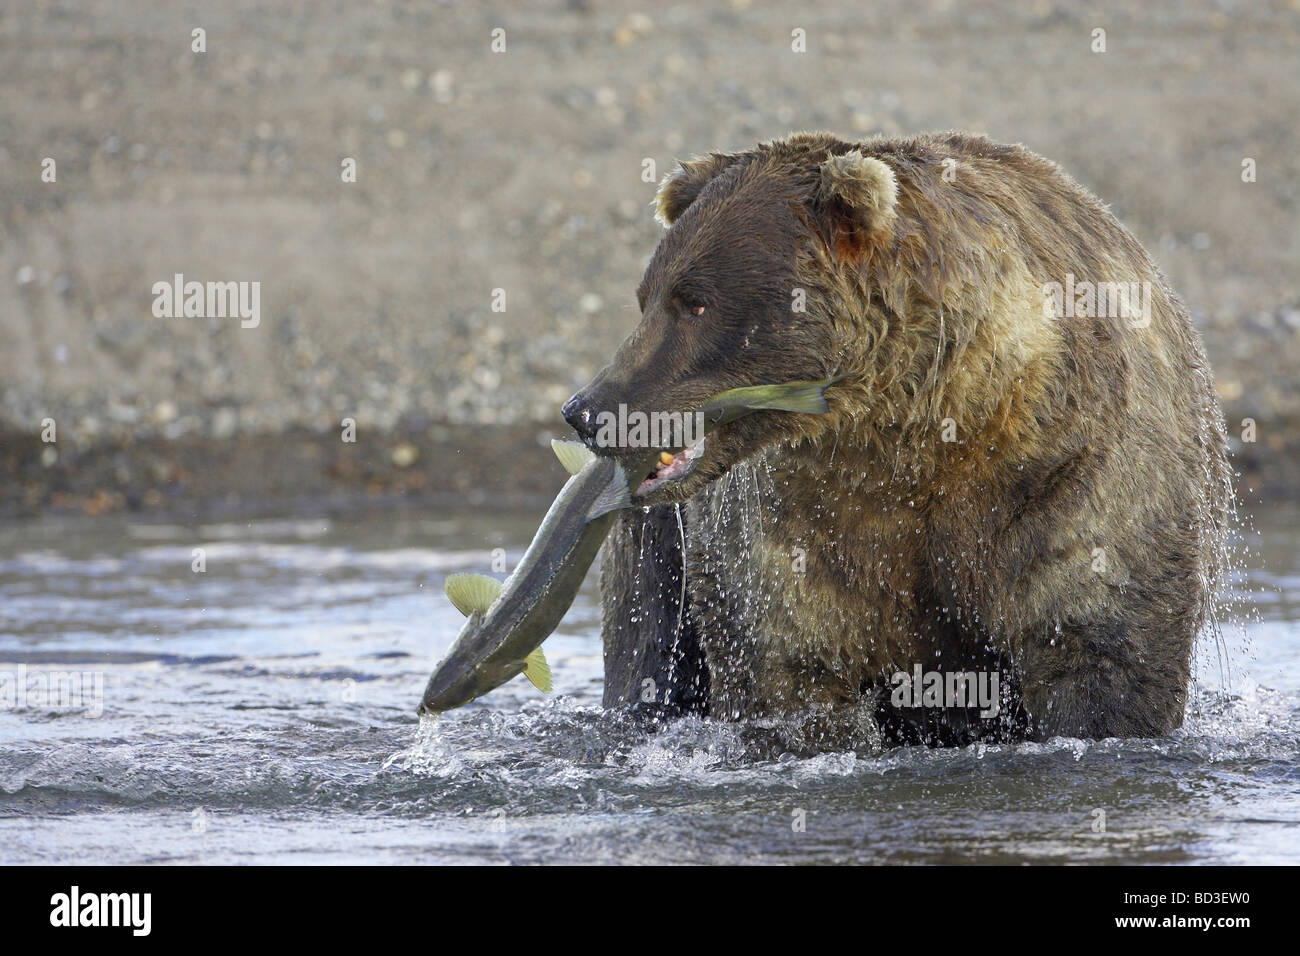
<point>1021,482</point>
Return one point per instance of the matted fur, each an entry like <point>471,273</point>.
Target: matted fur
<point>926,293</point>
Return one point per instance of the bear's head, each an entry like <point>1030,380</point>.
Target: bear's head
<point>745,289</point>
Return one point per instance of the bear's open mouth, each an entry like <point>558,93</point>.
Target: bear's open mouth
<point>671,467</point>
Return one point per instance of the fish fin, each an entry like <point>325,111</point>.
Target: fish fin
<point>573,455</point>
<point>538,671</point>
<point>472,592</point>
<point>614,497</point>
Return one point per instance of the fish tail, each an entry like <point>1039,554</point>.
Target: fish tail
<point>808,398</point>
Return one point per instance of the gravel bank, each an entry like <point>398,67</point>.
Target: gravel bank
<point>522,171</point>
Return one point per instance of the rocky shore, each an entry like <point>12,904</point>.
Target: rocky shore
<point>482,264</point>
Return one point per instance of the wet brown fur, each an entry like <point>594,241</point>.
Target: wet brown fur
<point>879,545</point>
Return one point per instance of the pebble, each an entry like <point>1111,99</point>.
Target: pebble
<point>225,422</point>
<point>405,455</point>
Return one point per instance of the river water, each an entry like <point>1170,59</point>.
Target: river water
<point>262,711</point>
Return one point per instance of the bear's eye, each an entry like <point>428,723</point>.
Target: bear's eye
<point>687,304</point>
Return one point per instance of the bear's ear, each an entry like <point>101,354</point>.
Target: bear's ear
<point>680,187</point>
<point>855,197</point>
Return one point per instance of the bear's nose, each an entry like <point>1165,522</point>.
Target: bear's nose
<point>577,412</point>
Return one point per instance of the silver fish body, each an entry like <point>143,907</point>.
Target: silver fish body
<point>498,640</point>
<point>493,644</point>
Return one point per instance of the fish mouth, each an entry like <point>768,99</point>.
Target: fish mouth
<point>433,704</point>
<point>671,468</point>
